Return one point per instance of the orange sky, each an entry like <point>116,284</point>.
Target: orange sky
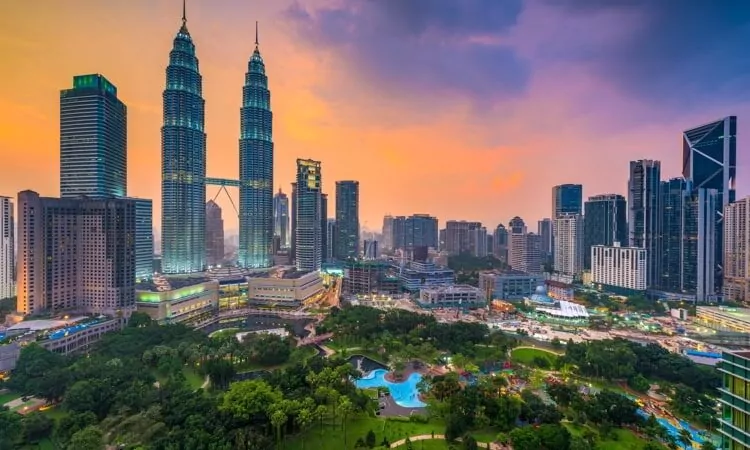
<point>432,154</point>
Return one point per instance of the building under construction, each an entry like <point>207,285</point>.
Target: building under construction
<point>370,277</point>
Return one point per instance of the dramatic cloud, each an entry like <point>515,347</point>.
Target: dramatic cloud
<point>424,46</point>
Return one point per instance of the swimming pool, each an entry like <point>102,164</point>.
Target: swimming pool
<point>404,394</point>
<point>673,430</point>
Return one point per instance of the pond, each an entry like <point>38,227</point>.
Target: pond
<point>404,393</point>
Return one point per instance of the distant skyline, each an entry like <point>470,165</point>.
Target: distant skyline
<point>465,111</point>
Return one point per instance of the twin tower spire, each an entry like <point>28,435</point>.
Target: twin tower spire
<point>184,22</point>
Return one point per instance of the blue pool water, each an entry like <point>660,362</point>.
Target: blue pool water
<point>674,431</point>
<point>404,394</point>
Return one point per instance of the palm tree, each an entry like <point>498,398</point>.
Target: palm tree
<point>345,408</point>
<point>278,419</point>
<point>685,437</point>
<point>304,418</point>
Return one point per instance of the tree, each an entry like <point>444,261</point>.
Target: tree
<point>525,438</point>
<point>469,443</point>
<point>247,400</point>
<point>10,429</point>
<point>139,320</point>
<point>36,426</point>
<point>278,419</point>
<point>708,445</point>
<point>90,438</point>
<point>370,439</point>
<point>345,408</point>
<point>554,436</point>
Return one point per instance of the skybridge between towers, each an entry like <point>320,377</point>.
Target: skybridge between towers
<point>223,183</point>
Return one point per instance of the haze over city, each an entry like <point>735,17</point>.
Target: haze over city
<point>463,110</point>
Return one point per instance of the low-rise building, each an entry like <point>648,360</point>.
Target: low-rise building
<point>369,277</point>
<point>511,285</point>
<point>459,295</point>
<point>283,287</point>
<point>175,300</point>
<point>721,318</point>
<point>418,275</point>
<point>560,290</point>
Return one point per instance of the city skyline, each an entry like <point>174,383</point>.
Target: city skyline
<point>314,121</point>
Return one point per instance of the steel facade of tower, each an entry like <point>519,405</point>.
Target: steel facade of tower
<point>308,217</point>
<point>256,167</point>
<point>93,139</point>
<point>644,213</point>
<point>567,199</point>
<point>605,223</point>
<point>347,219</point>
<point>281,218</point>
<point>183,142</point>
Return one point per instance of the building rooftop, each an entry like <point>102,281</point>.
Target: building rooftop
<point>741,314</point>
<point>163,284</point>
<point>507,273</point>
<point>456,288</point>
<point>284,274</point>
<point>567,309</point>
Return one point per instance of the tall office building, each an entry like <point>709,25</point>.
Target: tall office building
<point>347,219</point>
<point>567,198</point>
<point>144,238</point>
<point>605,222</point>
<point>643,213</point>
<point>500,243</point>
<point>330,248</point>
<point>478,242</point>
<point>256,166</point>
<point>618,269</point>
<point>183,161</point>
<point>324,241</point>
<point>293,223</point>
<point>281,218</point>
<point>735,410</point>
<point>546,235</point>
<point>7,249</point>
<point>517,243</point>
<point>569,244</point>
<point>370,249</point>
<point>75,254</point>
<point>736,285</point>
<point>308,201</point>
<point>388,232</point>
<point>214,234</point>
<point>700,241</point>
<point>457,236</point>
<point>420,230</point>
<point>674,200</point>
<point>709,161</point>
<point>93,139</point>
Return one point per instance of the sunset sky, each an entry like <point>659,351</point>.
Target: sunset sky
<point>463,109</point>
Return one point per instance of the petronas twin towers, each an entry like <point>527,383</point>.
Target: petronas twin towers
<point>184,163</point>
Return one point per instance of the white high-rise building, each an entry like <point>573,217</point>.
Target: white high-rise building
<point>621,268</point>
<point>7,249</point>
<point>736,286</point>
<point>568,241</point>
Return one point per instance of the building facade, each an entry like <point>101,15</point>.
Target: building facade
<point>644,207</point>
<point>75,254</point>
<point>214,234</point>
<point>256,166</point>
<point>567,199</point>
<point>456,296</point>
<point>458,236</point>
<point>144,238</point>
<point>347,219</point>
<point>7,249</point>
<point>736,285</point>
<point>618,269</point>
<point>291,288</point>
<point>546,235</point>
<point>281,218</point>
<point>183,161</point>
<point>605,223</point>
<point>735,406</point>
<point>190,300</point>
<point>417,275</point>
<point>508,285</point>
<point>93,139</point>
<point>500,243</point>
<point>308,217</point>
<point>568,252</point>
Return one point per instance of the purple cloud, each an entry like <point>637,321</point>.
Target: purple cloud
<point>425,46</point>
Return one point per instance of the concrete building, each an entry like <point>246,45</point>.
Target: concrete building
<point>545,230</point>
<point>618,269</point>
<point>177,300</point>
<point>720,318</point>
<point>478,242</point>
<point>308,215</point>
<point>388,232</point>
<point>75,254</point>
<point>286,288</point>
<point>214,234</point>
<point>7,249</point>
<point>456,296</point>
<point>605,222</point>
<point>458,236</point>
<point>500,243</point>
<point>281,218</point>
<point>417,275</point>
<point>644,224</point>
<point>568,230</point>
<point>144,238</point>
<point>736,286</point>
<point>735,408</point>
<point>329,253</point>
<point>508,285</point>
<point>567,199</point>
<point>363,277</point>
<point>347,219</point>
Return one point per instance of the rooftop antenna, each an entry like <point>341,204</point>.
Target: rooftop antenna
<point>184,16</point>
<point>256,34</point>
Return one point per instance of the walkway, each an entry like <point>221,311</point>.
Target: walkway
<point>428,437</point>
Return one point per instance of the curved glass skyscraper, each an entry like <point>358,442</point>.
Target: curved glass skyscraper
<point>256,166</point>
<point>183,159</point>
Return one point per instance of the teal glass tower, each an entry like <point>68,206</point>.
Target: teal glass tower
<point>256,166</point>
<point>183,159</point>
<point>93,139</point>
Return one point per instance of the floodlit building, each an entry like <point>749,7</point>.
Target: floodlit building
<point>284,288</point>
<point>622,270</point>
<point>417,275</point>
<point>735,409</point>
<point>175,300</point>
<point>456,296</point>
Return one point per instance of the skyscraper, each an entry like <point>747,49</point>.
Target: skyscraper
<point>388,232</point>
<point>736,286</point>
<point>500,243</point>
<point>605,223</point>
<point>281,218</point>
<point>674,199</point>
<point>347,219</point>
<point>293,222</point>
<point>709,161</point>
<point>569,244</point>
<point>183,159</point>
<point>214,234</point>
<point>93,139</point>
<point>546,235</point>
<point>457,236</point>
<point>75,254</point>
<point>256,166</point>
<point>308,216</point>
<point>144,238</point>
<point>420,230</point>
<point>325,243</point>
<point>7,249</point>
<point>330,238</point>
<point>567,198</point>
<point>643,213</point>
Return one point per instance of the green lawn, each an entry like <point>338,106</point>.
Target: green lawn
<point>194,380</point>
<point>624,439</point>
<point>332,436</point>
<point>527,355</point>
<point>431,444</point>
<point>8,397</point>
<point>224,332</point>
